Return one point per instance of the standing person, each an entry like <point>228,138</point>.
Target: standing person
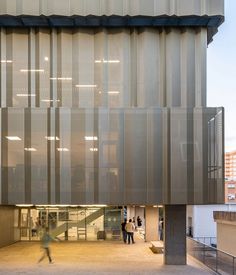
<point>130,230</point>
<point>139,221</point>
<point>124,233</point>
<point>161,228</point>
<point>133,221</point>
<point>45,241</point>
<point>33,228</point>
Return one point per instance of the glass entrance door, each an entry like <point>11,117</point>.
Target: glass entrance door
<point>95,223</point>
<point>31,223</point>
<point>72,225</point>
<point>25,224</point>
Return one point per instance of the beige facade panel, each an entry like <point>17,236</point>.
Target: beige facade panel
<point>226,240</point>
<point>103,68</point>
<point>226,224</point>
<point>109,7</point>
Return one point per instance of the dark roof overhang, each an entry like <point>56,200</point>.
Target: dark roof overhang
<point>113,21</point>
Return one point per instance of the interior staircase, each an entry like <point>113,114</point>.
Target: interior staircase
<point>79,224</point>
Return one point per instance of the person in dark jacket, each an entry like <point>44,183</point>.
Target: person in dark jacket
<point>124,232</point>
<point>139,221</point>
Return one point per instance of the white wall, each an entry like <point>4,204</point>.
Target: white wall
<point>202,218</point>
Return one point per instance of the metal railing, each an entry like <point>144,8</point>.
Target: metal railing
<point>211,241</point>
<point>215,259</point>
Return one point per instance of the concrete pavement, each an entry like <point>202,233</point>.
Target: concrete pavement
<point>87,258</point>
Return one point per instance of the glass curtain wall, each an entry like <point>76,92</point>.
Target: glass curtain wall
<point>71,223</point>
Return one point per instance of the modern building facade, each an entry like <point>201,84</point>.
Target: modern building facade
<point>104,103</point>
<point>200,220</point>
<point>230,177</point>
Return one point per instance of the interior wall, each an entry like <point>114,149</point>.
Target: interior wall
<point>8,227</point>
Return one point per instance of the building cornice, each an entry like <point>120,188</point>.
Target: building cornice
<point>113,21</point>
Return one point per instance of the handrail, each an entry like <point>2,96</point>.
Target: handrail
<point>212,246</point>
<point>218,260</point>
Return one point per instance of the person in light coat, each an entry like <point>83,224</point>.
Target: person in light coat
<point>130,228</point>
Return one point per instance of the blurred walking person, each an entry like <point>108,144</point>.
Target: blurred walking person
<point>45,242</point>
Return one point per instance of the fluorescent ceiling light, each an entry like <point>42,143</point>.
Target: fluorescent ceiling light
<point>13,138</point>
<point>50,100</point>
<point>93,205</point>
<point>113,92</point>
<point>46,58</point>
<point>59,205</point>
<point>25,95</point>
<point>85,86</point>
<point>91,138</point>
<point>155,206</point>
<point>52,205</point>
<point>52,138</point>
<point>107,61</point>
<point>30,149</point>
<point>142,206</point>
<point>60,78</point>
<point>32,70</point>
<point>62,149</point>
<point>6,61</point>
<point>93,149</point>
<point>24,205</point>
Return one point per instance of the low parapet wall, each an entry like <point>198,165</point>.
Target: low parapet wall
<point>225,216</point>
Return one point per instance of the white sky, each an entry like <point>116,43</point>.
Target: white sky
<point>221,73</point>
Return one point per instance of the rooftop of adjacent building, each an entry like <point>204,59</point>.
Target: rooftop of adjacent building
<point>229,216</point>
<point>231,153</point>
<point>91,258</point>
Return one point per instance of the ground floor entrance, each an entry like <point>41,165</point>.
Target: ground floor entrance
<point>95,223</point>
<point>71,223</point>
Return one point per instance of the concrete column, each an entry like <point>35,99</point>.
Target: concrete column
<point>151,224</point>
<point>175,234</point>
